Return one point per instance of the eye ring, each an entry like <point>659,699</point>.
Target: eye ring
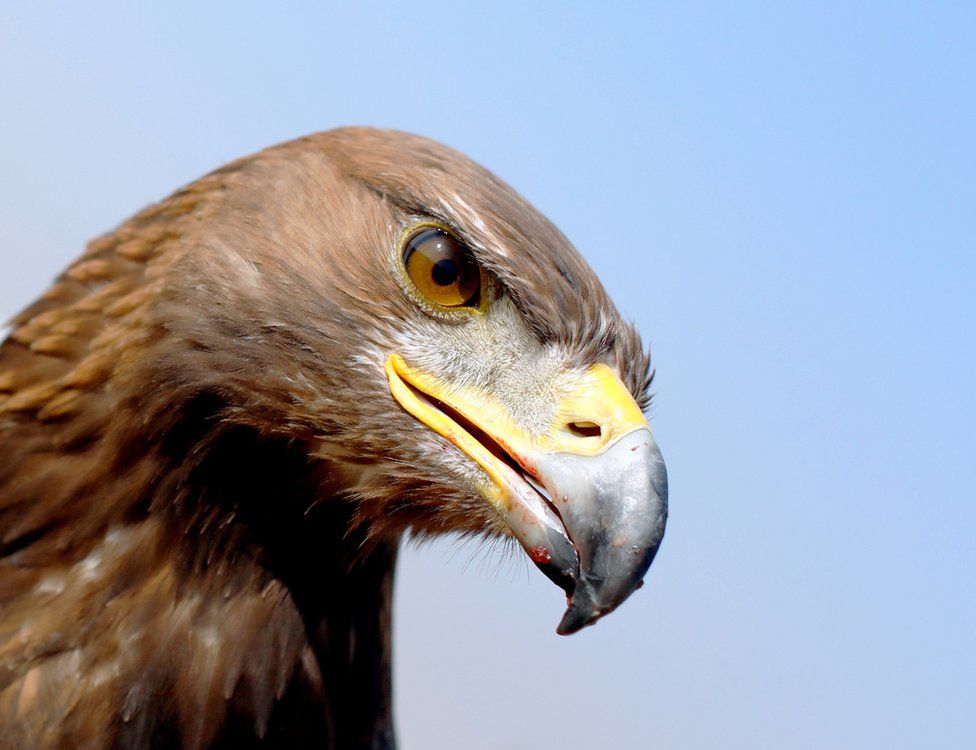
<point>440,270</point>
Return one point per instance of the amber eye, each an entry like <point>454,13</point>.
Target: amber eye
<point>442,268</point>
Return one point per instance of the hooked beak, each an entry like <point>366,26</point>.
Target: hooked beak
<point>587,500</point>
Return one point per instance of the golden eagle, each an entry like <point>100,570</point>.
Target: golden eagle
<point>219,422</point>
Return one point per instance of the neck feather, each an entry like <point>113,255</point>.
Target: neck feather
<point>196,590</point>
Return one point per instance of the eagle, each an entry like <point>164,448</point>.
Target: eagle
<point>219,423</point>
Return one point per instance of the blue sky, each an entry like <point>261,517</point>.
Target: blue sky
<point>781,195</point>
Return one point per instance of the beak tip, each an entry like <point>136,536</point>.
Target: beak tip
<point>582,610</point>
<point>566,630</point>
<point>586,605</point>
<point>573,621</point>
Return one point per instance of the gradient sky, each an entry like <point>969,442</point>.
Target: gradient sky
<point>782,196</point>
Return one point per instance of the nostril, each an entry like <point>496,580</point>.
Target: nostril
<point>585,429</point>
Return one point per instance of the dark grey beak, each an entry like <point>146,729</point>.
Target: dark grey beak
<point>614,506</point>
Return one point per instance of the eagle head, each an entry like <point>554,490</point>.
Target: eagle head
<point>326,345</point>
<point>427,333</point>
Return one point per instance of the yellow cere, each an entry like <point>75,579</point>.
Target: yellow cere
<point>599,398</point>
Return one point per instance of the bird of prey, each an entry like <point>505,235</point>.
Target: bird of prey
<point>219,422</point>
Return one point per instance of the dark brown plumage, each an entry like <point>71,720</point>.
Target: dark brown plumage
<point>203,476</point>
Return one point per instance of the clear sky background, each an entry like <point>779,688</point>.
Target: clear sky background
<point>781,195</point>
